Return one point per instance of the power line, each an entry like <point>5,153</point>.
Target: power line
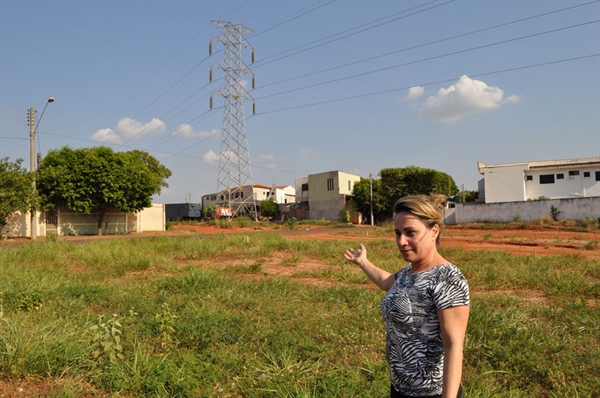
<point>430,83</point>
<point>132,119</point>
<point>161,95</point>
<point>266,62</point>
<point>290,19</point>
<point>165,139</point>
<point>428,59</point>
<point>427,44</point>
<point>180,153</point>
<point>167,63</point>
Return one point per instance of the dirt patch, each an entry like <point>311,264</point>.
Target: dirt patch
<point>534,241</point>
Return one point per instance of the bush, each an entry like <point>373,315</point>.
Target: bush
<point>554,212</point>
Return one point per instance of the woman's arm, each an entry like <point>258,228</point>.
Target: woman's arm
<point>383,279</point>
<point>453,324</point>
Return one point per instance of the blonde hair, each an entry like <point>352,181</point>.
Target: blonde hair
<point>430,209</point>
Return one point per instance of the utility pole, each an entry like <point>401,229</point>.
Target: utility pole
<point>32,167</point>
<point>32,159</point>
<point>371,193</point>
<point>235,170</point>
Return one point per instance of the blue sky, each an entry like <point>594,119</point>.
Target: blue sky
<point>355,86</point>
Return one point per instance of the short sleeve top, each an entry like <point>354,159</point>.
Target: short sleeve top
<point>414,348</point>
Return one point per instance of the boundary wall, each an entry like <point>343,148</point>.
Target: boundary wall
<point>570,209</point>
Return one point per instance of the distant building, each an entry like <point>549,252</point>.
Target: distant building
<point>282,194</point>
<point>67,222</point>
<point>324,195</point>
<point>183,211</point>
<point>553,179</point>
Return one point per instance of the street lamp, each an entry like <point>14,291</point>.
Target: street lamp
<point>32,130</point>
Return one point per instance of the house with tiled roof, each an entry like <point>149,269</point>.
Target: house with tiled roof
<point>553,179</point>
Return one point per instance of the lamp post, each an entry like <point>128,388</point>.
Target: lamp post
<point>32,130</point>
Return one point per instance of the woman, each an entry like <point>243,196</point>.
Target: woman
<point>426,308</point>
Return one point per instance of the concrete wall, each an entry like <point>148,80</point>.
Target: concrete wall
<point>71,223</point>
<point>570,209</point>
<point>17,226</point>
<point>327,209</point>
<point>150,219</point>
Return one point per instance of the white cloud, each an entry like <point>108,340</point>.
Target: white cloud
<point>265,158</point>
<point>210,157</point>
<point>272,166</point>
<point>128,129</point>
<point>467,96</point>
<point>186,130</point>
<point>512,98</point>
<point>414,92</point>
<point>107,136</point>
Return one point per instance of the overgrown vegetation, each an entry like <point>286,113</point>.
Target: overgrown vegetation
<point>199,317</point>
<point>16,190</point>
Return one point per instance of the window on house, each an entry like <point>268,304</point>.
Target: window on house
<point>305,187</point>
<point>330,184</point>
<point>560,176</point>
<point>598,176</point>
<point>529,178</point>
<point>547,179</point>
<point>573,173</point>
<point>586,173</point>
<point>349,185</point>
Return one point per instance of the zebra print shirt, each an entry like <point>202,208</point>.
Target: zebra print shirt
<point>414,347</point>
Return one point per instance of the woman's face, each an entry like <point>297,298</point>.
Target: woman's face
<point>415,241</point>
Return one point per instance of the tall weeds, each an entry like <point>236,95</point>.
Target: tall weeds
<point>197,317</point>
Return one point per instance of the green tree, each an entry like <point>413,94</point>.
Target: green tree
<point>465,196</point>
<point>92,180</point>
<point>16,190</point>
<point>362,198</point>
<point>399,182</point>
<point>268,207</point>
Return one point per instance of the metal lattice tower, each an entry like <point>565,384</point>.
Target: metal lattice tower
<point>235,171</point>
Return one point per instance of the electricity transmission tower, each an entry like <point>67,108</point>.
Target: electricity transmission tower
<point>235,171</point>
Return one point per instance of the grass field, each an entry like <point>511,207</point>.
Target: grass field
<point>203,317</point>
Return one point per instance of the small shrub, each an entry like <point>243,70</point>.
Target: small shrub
<point>292,223</point>
<point>164,327</point>
<point>554,212</point>
<point>168,225</point>
<point>106,342</point>
<point>29,301</point>
<point>588,223</point>
<point>517,218</point>
<point>592,245</point>
<point>244,221</point>
<point>344,215</point>
<point>51,237</point>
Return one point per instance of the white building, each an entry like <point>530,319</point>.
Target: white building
<point>553,179</point>
<point>283,194</point>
